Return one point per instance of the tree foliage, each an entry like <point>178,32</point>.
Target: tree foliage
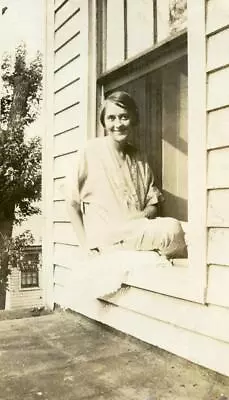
<point>20,159</point>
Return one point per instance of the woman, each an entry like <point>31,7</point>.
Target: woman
<point>113,200</point>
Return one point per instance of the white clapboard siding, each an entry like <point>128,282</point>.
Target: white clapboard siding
<point>59,3</point>
<point>68,95</point>
<point>67,119</point>
<point>218,50</point>
<point>63,232</point>
<point>68,73</point>
<point>217,15</point>
<point>218,168</point>
<point>66,53</point>
<point>218,128</point>
<point>68,30</point>
<point>59,189</point>
<point>64,12</point>
<point>61,274</point>
<point>218,89</point>
<point>211,321</point>
<point>218,208</point>
<point>67,142</point>
<point>60,212</point>
<point>218,284</point>
<point>66,255</point>
<point>63,165</point>
<point>218,246</point>
<point>182,342</point>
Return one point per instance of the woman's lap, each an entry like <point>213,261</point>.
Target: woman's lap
<point>160,234</point>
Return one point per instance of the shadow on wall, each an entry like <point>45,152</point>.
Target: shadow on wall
<point>174,206</point>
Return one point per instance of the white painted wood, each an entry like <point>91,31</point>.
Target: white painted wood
<point>209,320</point>
<point>61,275</point>
<point>58,3</point>
<point>197,348</point>
<point>218,168</point>
<point>59,187</point>
<point>63,232</point>
<point>67,141</point>
<point>67,119</point>
<point>47,170</point>
<point>217,15</point>
<point>69,8</point>
<point>66,255</point>
<point>68,73</point>
<point>68,30</point>
<point>60,211</point>
<point>218,249</point>
<point>218,89</point>
<point>63,165</point>
<point>177,280</point>
<point>67,52</point>
<point>218,128</point>
<point>69,95</point>
<point>197,174</point>
<point>218,208</point>
<point>218,50</point>
<point>218,283</point>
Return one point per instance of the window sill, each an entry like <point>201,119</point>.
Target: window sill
<point>34,289</point>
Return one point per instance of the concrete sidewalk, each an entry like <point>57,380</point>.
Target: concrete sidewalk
<point>66,356</point>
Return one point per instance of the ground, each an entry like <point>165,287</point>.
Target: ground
<point>69,357</point>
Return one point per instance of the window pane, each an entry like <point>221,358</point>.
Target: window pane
<point>162,20</point>
<point>139,26</point>
<point>115,33</point>
<point>171,17</point>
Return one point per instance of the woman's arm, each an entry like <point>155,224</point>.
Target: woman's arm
<point>150,211</point>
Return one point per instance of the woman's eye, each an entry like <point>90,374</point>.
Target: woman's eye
<point>111,117</point>
<point>124,117</point>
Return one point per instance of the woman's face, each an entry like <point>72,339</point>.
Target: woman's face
<point>117,122</point>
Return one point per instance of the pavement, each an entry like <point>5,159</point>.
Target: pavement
<point>69,357</point>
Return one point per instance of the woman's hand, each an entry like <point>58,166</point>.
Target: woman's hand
<point>149,212</point>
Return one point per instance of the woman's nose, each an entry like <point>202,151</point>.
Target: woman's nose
<point>117,122</point>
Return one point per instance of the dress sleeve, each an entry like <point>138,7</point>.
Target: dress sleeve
<point>76,179</point>
<point>153,194</point>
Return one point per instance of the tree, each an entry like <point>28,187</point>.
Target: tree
<point>20,159</point>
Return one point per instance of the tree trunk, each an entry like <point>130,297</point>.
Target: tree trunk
<point>6,228</point>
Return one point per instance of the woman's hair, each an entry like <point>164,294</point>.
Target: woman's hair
<point>123,100</point>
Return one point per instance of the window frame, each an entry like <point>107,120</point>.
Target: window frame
<point>186,281</point>
<point>30,287</point>
<point>34,249</point>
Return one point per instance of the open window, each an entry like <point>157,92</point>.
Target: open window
<point>148,50</point>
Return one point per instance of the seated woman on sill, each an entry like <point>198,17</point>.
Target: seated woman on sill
<point>112,199</point>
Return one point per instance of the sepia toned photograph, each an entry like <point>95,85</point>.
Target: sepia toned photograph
<point>114,199</point>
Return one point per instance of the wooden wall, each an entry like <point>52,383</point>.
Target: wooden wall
<point>217,38</point>
<point>18,298</point>
<point>196,332</point>
<point>68,99</point>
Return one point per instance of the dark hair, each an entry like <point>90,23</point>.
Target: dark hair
<point>123,100</point>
